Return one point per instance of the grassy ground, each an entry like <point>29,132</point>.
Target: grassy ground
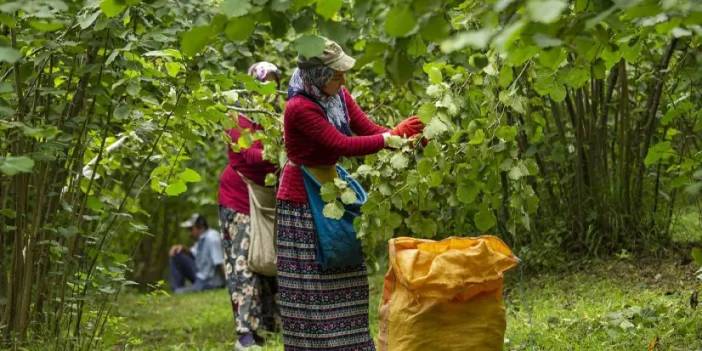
<point>615,305</point>
<point>609,306</point>
<point>687,227</point>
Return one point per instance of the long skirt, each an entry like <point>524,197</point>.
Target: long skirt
<point>321,309</point>
<point>252,295</point>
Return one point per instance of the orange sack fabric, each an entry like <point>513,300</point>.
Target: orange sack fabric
<point>444,295</point>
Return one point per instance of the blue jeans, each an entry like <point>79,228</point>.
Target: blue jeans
<point>183,267</point>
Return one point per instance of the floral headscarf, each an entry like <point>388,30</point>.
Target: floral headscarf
<point>308,82</point>
<point>261,70</point>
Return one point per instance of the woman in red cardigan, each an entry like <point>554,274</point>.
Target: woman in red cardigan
<point>252,295</point>
<point>322,309</point>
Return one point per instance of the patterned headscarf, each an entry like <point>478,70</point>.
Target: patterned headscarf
<point>261,70</point>
<point>308,82</point>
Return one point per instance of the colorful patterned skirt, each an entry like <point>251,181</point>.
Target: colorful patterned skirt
<point>321,310</point>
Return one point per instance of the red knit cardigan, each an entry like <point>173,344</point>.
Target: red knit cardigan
<point>311,140</point>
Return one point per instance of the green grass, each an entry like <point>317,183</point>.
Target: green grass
<point>612,306</point>
<point>687,227</point>
<point>616,305</point>
<point>201,321</point>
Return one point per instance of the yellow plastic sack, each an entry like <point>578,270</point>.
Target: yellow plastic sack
<point>444,295</point>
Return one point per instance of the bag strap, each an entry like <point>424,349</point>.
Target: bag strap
<point>252,186</point>
<point>250,182</point>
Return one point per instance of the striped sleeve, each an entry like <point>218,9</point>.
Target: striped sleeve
<point>308,119</point>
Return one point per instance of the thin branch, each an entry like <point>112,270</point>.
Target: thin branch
<point>250,110</point>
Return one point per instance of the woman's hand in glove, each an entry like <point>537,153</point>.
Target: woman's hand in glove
<point>409,127</point>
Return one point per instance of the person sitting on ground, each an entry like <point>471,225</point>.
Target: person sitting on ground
<point>202,264</point>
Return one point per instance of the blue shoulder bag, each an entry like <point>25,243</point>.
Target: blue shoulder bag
<point>337,245</point>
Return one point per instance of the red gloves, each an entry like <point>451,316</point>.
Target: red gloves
<point>409,127</point>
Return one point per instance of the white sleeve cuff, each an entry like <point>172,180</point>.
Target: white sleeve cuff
<point>386,135</point>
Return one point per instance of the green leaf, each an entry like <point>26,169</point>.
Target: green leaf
<point>467,192</point>
<point>6,87</point>
<point>122,111</point>
<point>431,150</point>
<point>280,25</point>
<point>513,100</point>
<point>574,77</point>
<point>8,20</point>
<point>435,29</point>
<point>416,47</point>
<point>547,85</point>
<point>421,225</point>
<point>478,61</point>
<point>545,41</point>
<point>435,128</point>
<point>240,28</point>
<point>426,112</point>
<point>280,5</point>
<point>94,203</point>
<point>424,167</point>
<point>176,188</point>
<point>328,192</point>
<point>552,58</point>
<point>400,67</point>
<point>436,178</point>
<point>336,31</point>
<point>364,170</point>
<point>697,255</point>
<point>194,40</point>
<point>435,76</point>
<point>395,142</point>
<point>309,45</point>
<point>610,57</point>
<point>112,8</point>
<point>189,175</point>
<point>340,183</point>
<point>557,92</point>
<point>681,32</point>
<point>518,171</point>
<point>12,165</point>
<point>506,133</point>
<point>399,161</point>
<point>348,196</point>
<point>44,26</point>
<point>9,55</point>
<point>477,138</point>
<point>545,11</point>
<point>504,41</point>
<point>173,53</point>
<point>659,152</point>
<point>245,140</point>
<point>41,132</point>
<point>235,8</point>
<point>9,213</point>
<point>506,76</point>
<point>476,39</point>
<point>333,210</point>
<point>328,8</point>
<point>88,19</point>
<point>520,55</point>
<point>484,219</point>
<point>394,220</point>
<point>694,189</point>
<point>173,68</point>
<point>299,4</point>
<point>400,21</point>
